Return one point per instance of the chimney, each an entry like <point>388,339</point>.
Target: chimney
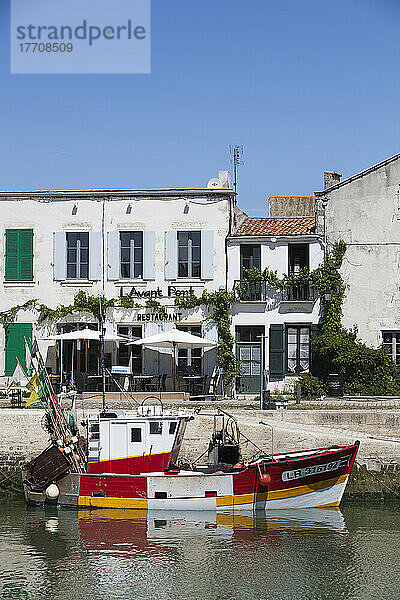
<point>225,179</point>
<point>331,178</point>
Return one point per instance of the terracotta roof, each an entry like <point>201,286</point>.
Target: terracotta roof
<point>277,226</point>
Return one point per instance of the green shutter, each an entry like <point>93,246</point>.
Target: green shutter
<point>26,254</point>
<point>317,364</point>
<point>12,254</point>
<point>15,345</point>
<point>276,351</point>
<point>19,254</point>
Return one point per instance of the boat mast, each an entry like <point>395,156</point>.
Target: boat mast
<point>103,373</point>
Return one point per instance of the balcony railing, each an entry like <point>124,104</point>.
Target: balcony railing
<point>299,293</point>
<point>256,291</point>
<point>250,291</point>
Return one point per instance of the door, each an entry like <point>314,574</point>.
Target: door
<point>16,334</point>
<point>118,447</point>
<point>249,358</point>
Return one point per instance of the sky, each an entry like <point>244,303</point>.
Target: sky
<point>304,85</point>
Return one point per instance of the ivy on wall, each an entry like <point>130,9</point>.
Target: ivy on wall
<point>83,303</point>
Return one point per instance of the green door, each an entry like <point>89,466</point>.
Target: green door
<point>15,345</point>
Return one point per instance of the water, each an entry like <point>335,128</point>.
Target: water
<point>309,554</point>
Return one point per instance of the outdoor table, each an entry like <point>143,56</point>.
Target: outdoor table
<point>100,377</point>
<point>142,379</point>
<point>191,380</point>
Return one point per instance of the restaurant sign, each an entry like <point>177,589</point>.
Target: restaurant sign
<point>159,316</point>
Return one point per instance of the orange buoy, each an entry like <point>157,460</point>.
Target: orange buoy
<point>237,466</point>
<point>265,479</point>
<point>219,473</point>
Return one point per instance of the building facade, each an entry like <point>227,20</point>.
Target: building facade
<point>364,211</point>
<point>272,328</point>
<point>152,245</point>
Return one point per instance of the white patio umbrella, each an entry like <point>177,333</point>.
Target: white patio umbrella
<point>174,338</point>
<point>84,334</point>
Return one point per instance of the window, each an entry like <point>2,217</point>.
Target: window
<point>78,255</point>
<point>130,356</point>
<point>19,255</point>
<point>131,253</point>
<point>155,427</point>
<point>250,258</point>
<point>189,254</point>
<point>136,434</point>
<point>391,341</point>
<point>298,257</point>
<point>297,348</point>
<point>189,359</point>
<point>172,427</point>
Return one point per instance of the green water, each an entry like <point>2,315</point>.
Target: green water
<point>310,554</point>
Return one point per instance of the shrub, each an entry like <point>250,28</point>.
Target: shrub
<point>311,387</point>
<point>366,371</point>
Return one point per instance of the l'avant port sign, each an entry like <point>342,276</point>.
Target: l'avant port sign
<point>157,293</point>
<point>75,37</point>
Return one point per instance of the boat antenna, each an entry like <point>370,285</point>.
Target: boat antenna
<point>103,372</point>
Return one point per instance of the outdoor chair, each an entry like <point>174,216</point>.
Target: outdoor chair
<point>154,384</point>
<point>163,383</point>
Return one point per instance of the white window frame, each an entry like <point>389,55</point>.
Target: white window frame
<point>78,257</point>
<point>190,255</point>
<point>131,255</point>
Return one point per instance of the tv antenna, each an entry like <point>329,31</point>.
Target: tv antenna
<point>236,153</point>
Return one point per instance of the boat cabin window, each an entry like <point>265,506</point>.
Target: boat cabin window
<point>156,427</point>
<point>172,427</point>
<point>136,434</point>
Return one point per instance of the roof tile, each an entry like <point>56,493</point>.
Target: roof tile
<point>277,226</point>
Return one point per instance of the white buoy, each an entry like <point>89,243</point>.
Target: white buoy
<point>52,492</point>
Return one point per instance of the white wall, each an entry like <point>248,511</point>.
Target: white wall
<point>208,212</point>
<point>273,310</point>
<point>365,213</point>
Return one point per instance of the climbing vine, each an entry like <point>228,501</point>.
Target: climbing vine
<point>8,316</point>
<point>83,302</point>
<point>325,279</point>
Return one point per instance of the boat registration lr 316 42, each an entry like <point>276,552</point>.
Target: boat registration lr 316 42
<point>315,469</point>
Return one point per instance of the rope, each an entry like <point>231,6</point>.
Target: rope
<point>377,479</point>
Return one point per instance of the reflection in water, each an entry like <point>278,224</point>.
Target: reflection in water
<point>123,554</point>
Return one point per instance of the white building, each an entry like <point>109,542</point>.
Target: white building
<point>149,244</point>
<point>364,211</point>
<point>273,329</point>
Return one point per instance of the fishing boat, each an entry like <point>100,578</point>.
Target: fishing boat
<point>132,461</point>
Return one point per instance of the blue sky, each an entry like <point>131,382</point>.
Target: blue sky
<point>304,85</point>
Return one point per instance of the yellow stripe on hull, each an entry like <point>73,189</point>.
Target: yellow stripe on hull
<point>102,502</point>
